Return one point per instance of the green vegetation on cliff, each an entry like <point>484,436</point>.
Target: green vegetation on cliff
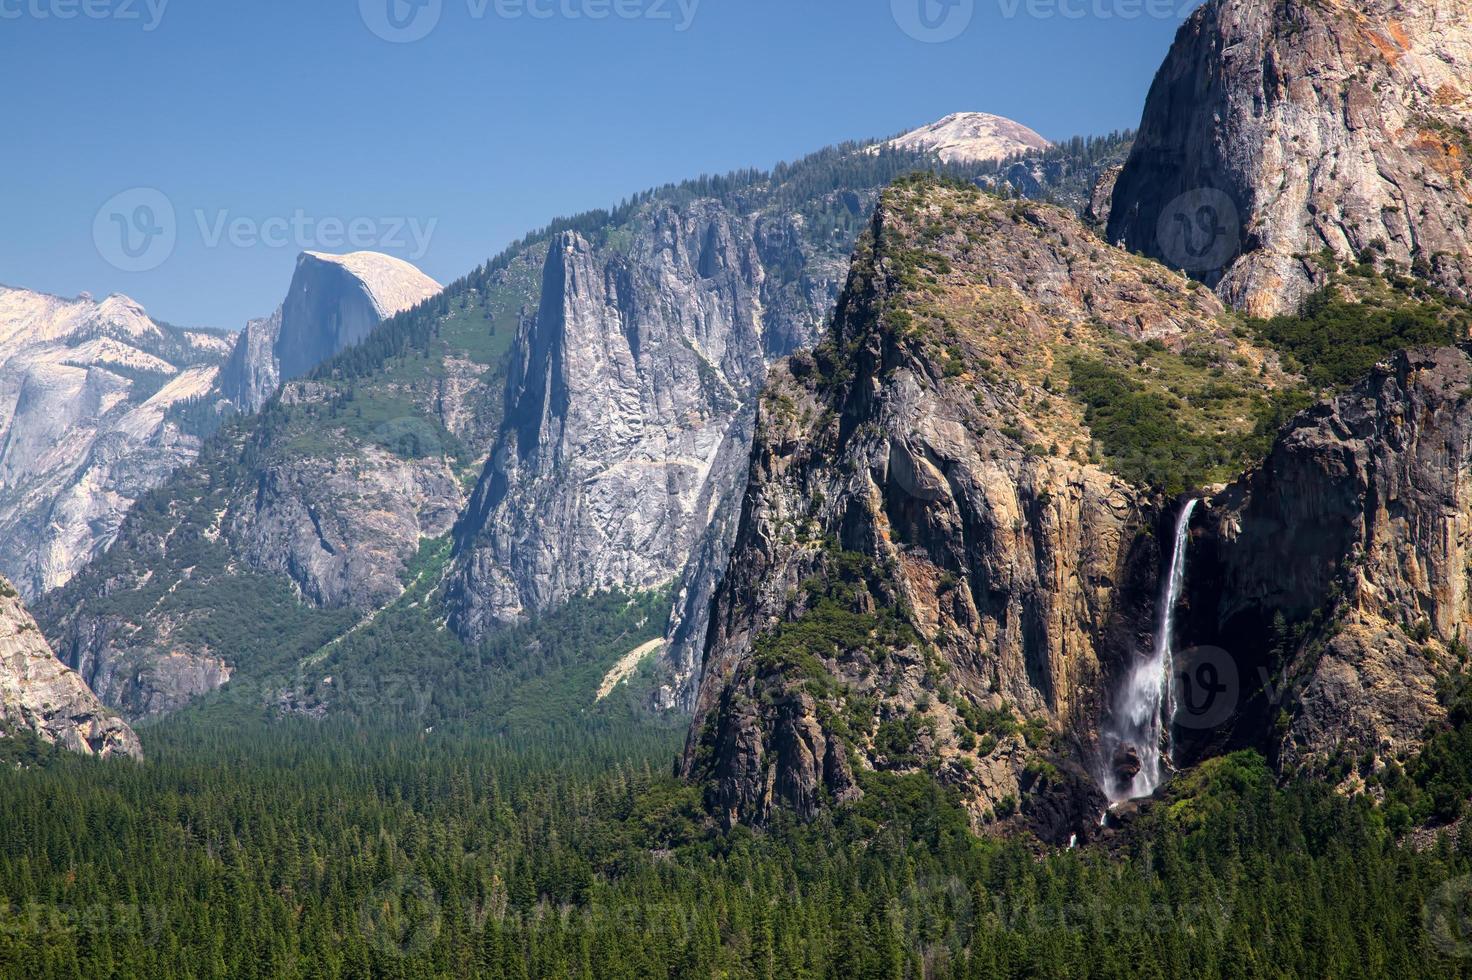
<point>1139,429</point>
<point>1147,433</point>
<point>1435,785</point>
<point>1066,346</point>
<point>836,622</point>
<point>1341,332</point>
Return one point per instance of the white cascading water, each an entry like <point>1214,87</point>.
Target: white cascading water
<point>1147,703</point>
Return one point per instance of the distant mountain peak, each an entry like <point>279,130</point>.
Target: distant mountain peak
<point>28,317</point>
<point>972,137</point>
<point>334,301</point>
<point>327,311</point>
<point>393,285</point>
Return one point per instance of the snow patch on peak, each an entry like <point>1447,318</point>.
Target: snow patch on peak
<point>126,314</point>
<point>393,285</point>
<point>28,318</point>
<point>972,137</point>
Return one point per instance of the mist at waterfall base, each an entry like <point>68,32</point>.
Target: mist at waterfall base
<point>1144,708</point>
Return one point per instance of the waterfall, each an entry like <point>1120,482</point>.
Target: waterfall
<point>1142,722</point>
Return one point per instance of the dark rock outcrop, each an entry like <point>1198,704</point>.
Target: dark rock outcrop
<point>1336,576</point>
<point>1101,200</point>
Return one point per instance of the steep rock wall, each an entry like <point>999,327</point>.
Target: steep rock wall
<point>930,573</point>
<point>40,694</point>
<point>1276,131</point>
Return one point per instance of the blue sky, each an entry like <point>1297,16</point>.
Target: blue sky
<point>269,125</point>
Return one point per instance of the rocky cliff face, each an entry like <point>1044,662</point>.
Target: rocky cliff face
<point>629,411</point>
<point>632,390</point>
<point>1336,576</point>
<point>253,373</point>
<point>931,570</point>
<point>948,561</point>
<point>629,422</point>
<point>1101,198</point>
<point>334,301</point>
<point>296,522</point>
<point>38,693</point>
<point>1276,132</point>
<point>95,397</point>
<point>334,505</point>
<point>301,518</point>
<point>89,394</point>
<point>342,520</point>
<point>343,525</point>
